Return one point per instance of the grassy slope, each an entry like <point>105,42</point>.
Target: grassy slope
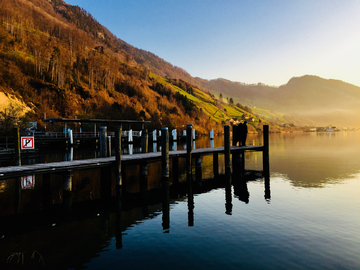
<point>206,103</point>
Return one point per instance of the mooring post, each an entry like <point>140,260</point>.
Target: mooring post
<point>227,149</point>
<point>266,147</point>
<point>17,146</point>
<point>144,141</point>
<point>108,146</point>
<point>165,153</point>
<point>266,166</point>
<point>103,135</point>
<point>188,149</point>
<point>118,177</point>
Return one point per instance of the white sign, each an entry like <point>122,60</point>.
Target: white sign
<point>27,143</point>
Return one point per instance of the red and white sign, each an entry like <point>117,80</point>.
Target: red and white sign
<point>27,143</point>
<point>28,182</point>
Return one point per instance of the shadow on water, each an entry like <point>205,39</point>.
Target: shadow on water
<point>69,231</point>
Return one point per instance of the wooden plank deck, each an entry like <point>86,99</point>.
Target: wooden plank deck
<point>58,167</point>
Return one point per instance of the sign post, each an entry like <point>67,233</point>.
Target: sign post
<point>27,143</point>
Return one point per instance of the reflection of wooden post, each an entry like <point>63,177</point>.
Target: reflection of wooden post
<point>143,180</point>
<point>198,172</point>
<point>216,164</point>
<point>227,148</point>
<point>190,205</point>
<point>165,205</point>
<point>165,153</point>
<point>17,146</point>
<point>188,149</point>
<point>118,177</point>
<point>228,196</point>
<point>46,190</point>
<point>67,189</point>
<point>105,182</point>
<point>175,170</point>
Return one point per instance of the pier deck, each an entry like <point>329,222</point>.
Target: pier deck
<point>63,166</point>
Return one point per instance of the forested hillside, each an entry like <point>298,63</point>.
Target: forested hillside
<point>60,62</point>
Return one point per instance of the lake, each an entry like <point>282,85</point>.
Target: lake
<point>307,216</point>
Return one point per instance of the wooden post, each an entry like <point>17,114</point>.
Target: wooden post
<point>144,141</point>
<point>266,166</point>
<point>103,135</point>
<point>165,153</point>
<point>227,149</point>
<point>266,147</point>
<point>188,149</point>
<point>108,144</point>
<point>118,176</point>
<point>17,146</point>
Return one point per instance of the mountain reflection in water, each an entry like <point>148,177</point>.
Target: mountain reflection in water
<point>243,222</point>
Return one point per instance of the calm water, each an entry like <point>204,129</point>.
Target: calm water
<point>311,220</point>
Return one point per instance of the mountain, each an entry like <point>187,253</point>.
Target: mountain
<point>56,61</point>
<point>307,100</point>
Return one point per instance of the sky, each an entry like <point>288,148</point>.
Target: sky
<point>267,41</point>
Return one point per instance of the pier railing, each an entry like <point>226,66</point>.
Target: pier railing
<point>144,158</point>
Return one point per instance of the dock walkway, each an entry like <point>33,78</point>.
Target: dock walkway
<point>63,166</point>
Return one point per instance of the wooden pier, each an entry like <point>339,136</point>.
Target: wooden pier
<point>118,161</point>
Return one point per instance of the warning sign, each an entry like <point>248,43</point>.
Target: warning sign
<point>28,182</point>
<point>27,143</point>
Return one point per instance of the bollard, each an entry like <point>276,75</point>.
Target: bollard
<point>71,138</point>
<point>165,153</point>
<point>17,146</point>
<point>174,135</point>
<point>103,135</point>
<point>144,141</point>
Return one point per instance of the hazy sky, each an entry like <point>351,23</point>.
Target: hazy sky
<point>251,41</point>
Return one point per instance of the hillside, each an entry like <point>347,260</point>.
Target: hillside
<point>60,62</point>
<point>306,100</point>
